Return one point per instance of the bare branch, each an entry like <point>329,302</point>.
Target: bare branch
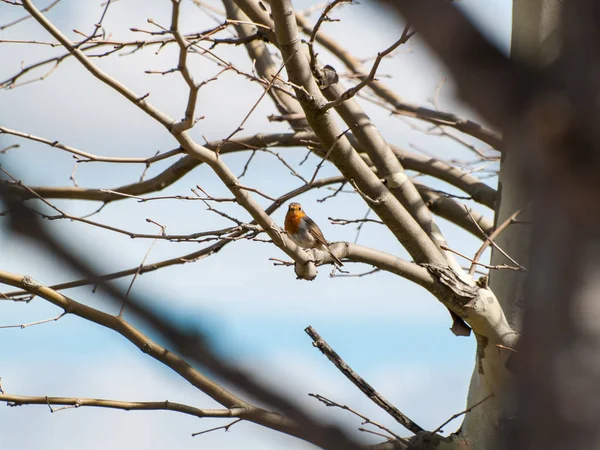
<point>496,245</point>
<point>490,239</point>
<point>20,400</point>
<point>348,221</point>
<point>479,191</point>
<point>224,427</point>
<point>371,76</point>
<point>39,322</point>
<point>24,18</point>
<point>455,416</point>
<point>190,343</point>
<point>355,275</point>
<point>366,420</point>
<point>400,222</point>
<point>487,266</point>
<point>365,387</point>
<point>265,66</point>
<point>476,130</point>
<point>322,18</point>
<point>88,156</point>
<point>188,121</point>
<point>455,212</point>
<point>85,61</point>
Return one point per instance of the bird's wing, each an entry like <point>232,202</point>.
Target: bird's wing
<point>316,232</point>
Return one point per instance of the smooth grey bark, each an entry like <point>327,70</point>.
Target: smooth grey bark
<point>559,362</point>
<point>533,40</point>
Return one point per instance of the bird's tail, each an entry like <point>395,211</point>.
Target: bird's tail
<point>336,260</point>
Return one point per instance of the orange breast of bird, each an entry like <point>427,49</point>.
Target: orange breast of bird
<point>292,221</point>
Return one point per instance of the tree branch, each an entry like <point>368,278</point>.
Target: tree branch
<point>476,130</point>
<point>89,156</point>
<point>304,268</point>
<point>478,190</point>
<point>400,222</point>
<point>444,207</point>
<point>361,384</point>
<point>266,68</point>
<point>192,344</point>
<point>496,86</point>
<point>20,400</point>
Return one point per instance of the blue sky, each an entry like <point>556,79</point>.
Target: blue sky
<point>392,332</point>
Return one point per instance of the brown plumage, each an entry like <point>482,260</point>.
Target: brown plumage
<point>305,232</point>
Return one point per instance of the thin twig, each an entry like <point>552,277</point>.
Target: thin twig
<point>28,16</point>
<point>496,246</point>
<point>322,18</point>
<point>241,125</point>
<point>71,402</point>
<point>137,272</point>
<point>335,192</point>
<point>348,221</point>
<point>490,239</point>
<point>327,154</point>
<point>245,169</point>
<point>330,403</point>
<point>39,322</point>
<point>224,427</point>
<point>355,275</point>
<point>466,411</point>
<point>487,266</point>
<point>406,35</point>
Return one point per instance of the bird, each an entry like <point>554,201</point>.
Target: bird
<point>305,232</point>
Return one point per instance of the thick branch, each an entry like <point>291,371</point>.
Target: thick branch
<point>399,221</point>
<point>266,68</point>
<point>444,207</point>
<point>478,190</point>
<point>119,325</point>
<point>456,213</point>
<point>388,166</point>
<point>171,174</point>
<point>360,383</point>
<point>243,409</point>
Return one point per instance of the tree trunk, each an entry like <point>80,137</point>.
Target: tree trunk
<point>535,41</point>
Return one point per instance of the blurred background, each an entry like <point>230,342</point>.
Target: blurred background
<point>389,330</point>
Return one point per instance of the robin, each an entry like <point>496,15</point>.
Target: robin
<point>304,232</point>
